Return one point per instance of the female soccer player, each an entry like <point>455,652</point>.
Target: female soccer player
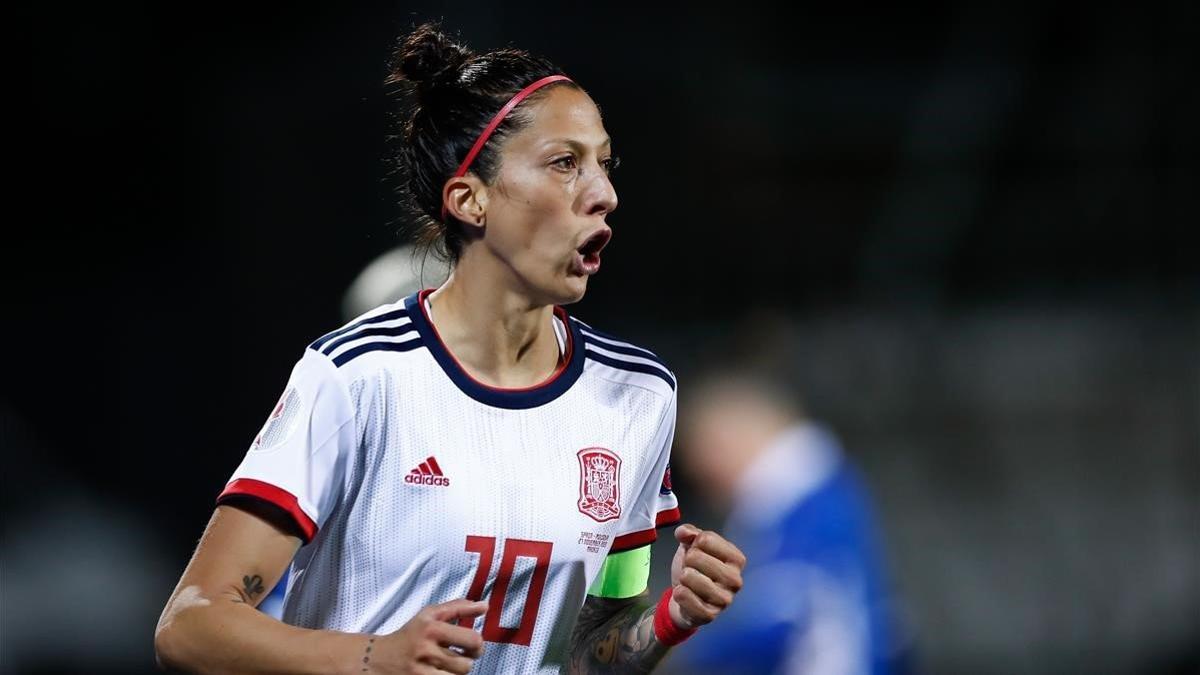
<point>467,478</point>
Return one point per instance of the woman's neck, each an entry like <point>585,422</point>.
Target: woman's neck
<point>498,335</point>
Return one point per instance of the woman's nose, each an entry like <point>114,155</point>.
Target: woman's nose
<point>601,196</point>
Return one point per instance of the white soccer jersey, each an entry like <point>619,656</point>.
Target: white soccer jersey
<point>415,484</point>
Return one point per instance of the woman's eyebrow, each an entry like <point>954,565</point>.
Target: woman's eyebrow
<point>576,145</point>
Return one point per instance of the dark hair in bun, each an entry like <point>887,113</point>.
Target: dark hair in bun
<point>427,56</point>
<point>448,95</point>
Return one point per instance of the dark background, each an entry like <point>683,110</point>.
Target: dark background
<point>967,228</point>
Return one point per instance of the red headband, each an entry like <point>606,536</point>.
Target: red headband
<point>491,127</point>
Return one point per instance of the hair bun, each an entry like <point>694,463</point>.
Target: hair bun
<point>426,57</point>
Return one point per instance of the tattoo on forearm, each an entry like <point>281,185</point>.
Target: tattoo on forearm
<point>615,636</point>
<point>367,654</point>
<point>252,585</point>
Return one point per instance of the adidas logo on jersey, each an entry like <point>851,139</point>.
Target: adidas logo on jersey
<point>428,473</point>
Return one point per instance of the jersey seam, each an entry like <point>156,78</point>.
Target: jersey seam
<point>662,418</point>
<point>353,417</point>
<point>631,384</point>
<point>344,388</point>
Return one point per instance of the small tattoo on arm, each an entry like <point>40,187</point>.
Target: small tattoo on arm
<point>253,585</point>
<point>367,654</point>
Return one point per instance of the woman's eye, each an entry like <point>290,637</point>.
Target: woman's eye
<point>566,163</point>
<point>610,163</point>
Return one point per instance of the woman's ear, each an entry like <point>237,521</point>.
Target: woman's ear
<point>465,198</point>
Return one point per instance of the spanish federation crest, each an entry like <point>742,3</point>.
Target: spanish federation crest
<point>599,484</point>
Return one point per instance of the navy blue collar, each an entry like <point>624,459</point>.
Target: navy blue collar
<point>530,397</point>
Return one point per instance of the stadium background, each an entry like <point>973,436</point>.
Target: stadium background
<point>964,227</point>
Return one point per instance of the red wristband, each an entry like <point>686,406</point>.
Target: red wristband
<point>664,626</point>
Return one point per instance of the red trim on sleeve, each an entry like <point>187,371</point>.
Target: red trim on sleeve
<point>633,540</point>
<point>275,495</point>
<point>668,517</point>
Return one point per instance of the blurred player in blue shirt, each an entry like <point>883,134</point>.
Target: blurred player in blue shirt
<point>816,600</point>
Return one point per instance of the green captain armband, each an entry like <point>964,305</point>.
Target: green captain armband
<point>623,575</point>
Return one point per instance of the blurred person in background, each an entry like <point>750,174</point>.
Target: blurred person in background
<point>816,599</point>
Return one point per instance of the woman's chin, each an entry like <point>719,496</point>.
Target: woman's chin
<point>569,290</point>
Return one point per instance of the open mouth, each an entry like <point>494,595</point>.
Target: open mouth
<point>587,256</point>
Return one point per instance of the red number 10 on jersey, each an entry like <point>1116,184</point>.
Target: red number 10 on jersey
<point>513,549</point>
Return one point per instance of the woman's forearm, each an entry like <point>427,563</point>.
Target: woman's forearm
<point>224,634</point>
<point>615,636</point>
